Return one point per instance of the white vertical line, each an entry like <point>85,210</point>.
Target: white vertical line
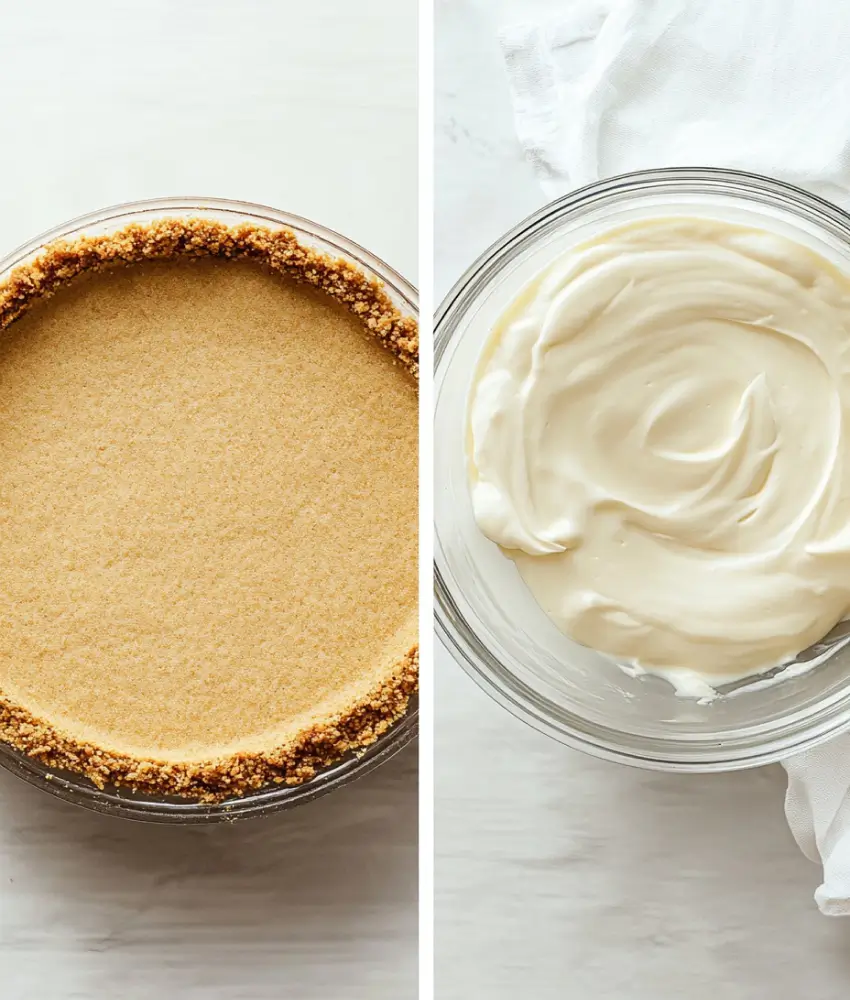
<point>426,500</point>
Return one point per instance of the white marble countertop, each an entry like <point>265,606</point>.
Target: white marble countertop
<point>311,108</point>
<point>559,875</point>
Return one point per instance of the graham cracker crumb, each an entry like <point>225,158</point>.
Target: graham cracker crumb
<point>279,249</point>
<point>299,760</point>
<point>322,743</point>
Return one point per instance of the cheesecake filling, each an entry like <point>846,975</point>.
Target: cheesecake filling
<point>659,440</point>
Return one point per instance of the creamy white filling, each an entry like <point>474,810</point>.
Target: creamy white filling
<point>659,434</point>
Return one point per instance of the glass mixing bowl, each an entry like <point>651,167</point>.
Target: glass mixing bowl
<point>486,616</point>
<point>120,801</point>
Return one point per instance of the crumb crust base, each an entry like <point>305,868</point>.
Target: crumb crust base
<point>324,742</point>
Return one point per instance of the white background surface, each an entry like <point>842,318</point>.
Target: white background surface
<point>559,876</point>
<point>310,108</point>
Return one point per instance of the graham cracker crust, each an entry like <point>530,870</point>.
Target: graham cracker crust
<point>327,740</point>
<point>211,781</point>
<point>279,249</point>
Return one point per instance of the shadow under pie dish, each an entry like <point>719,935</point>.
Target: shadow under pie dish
<point>208,483</point>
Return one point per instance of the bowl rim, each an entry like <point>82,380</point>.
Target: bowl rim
<point>123,803</point>
<point>452,629</point>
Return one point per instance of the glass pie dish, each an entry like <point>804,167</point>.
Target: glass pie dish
<point>486,616</point>
<point>122,801</point>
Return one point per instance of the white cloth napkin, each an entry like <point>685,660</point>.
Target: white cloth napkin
<point>602,87</point>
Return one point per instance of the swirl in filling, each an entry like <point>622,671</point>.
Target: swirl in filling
<point>659,433</point>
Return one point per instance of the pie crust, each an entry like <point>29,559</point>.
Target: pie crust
<point>175,253</point>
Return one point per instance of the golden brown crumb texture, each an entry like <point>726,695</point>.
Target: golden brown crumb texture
<point>323,743</point>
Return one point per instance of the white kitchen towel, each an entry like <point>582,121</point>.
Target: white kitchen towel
<point>602,87</point>
<point>817,805</point>
<point>609,86</point>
